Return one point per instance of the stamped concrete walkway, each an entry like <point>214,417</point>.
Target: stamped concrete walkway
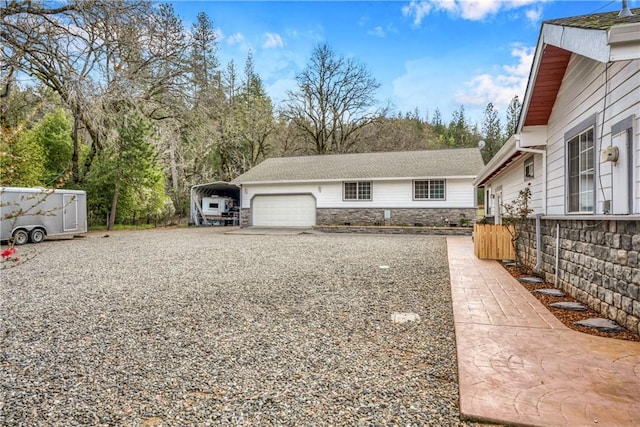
<point>518,364</point>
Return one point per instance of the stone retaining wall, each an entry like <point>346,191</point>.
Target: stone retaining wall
<point>599,264</point>
<point>440,231</point>
<point>245,217</point>
<point>435,217</point>
<point>402,217</point>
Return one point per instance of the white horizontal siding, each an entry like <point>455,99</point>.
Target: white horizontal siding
<point>582,95</point>
<point>511,181</point>
<point>385,194</point>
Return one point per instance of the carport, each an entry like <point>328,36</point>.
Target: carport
<point>212,189</point>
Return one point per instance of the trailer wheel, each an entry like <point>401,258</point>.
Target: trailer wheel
<point>20,237</point>
<point>37,235</point>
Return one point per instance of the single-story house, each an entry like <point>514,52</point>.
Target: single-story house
<point>431,187</point>
<point>577,148</point>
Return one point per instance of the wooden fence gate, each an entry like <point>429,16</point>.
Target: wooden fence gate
<point>491,241</point>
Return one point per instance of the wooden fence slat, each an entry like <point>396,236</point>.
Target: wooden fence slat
<point>491,241</point>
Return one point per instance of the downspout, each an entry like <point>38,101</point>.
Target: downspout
<point>555,282</point>
<point>544,198</point>
<point>538,242</point>
<point>544,169</point>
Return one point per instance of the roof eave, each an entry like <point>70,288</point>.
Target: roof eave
<point>503,155</point>
<point>624,42</point>
<point>588,42</point>
<point>319,180</point>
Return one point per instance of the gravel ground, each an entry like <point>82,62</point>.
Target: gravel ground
<point>196,327</point>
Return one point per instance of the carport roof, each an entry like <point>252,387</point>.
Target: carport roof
<point>399,164</point>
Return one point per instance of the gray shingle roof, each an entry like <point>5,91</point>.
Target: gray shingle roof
<point>398,164</point>
<point>598,21</point>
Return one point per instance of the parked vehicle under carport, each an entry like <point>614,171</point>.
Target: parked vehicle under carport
<point>215,204</point>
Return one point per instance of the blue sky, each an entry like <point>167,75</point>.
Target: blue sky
<point>425,54</point>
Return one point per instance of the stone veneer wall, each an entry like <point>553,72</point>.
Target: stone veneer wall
<point>403,217</point>
<point>383,229</point>
<point>245,216</point>
<point>599,264</point>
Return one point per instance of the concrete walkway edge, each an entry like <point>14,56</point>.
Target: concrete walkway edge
<point>519,365</point>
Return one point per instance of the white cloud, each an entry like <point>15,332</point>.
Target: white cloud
<point>499,88</point>
<point>425,85</point>
<point>534,15</point>
<point>471,10</point>
<point>234,39</point>
<point>417,10</point>
<point>377,31</point>
<point>273,40</point>
<point>279,89</point>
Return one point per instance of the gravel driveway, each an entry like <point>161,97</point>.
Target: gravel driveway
<point>196,327</point>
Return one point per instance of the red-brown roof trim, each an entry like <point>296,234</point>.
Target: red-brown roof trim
<point>553,65</point>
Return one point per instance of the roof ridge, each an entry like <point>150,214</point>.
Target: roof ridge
<point>598,21</point>
<point>372,152</point>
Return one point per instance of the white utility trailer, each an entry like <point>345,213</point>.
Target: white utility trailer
<point>32,214</point>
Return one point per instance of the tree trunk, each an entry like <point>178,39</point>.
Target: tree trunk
<point>114,208</point>
<point>173,164</point>
<point>75,170</point>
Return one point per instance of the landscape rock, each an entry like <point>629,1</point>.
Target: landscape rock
<point>604,325</point>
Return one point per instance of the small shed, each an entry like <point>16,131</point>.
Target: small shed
<point>225,193</point>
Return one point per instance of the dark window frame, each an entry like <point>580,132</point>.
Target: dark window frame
<point>359,193</point>
<point>581,167</point>
<point>529,168</point>
<point>429,190</point>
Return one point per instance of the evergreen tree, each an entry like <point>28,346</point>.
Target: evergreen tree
<point>437,125</point>
<point>492,133</point>
<point>53,133</point>
<point>513,115</point>
<point>126,173</point>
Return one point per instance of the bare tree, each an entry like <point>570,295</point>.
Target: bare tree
<point>100,56</point>
<point>334,100</point>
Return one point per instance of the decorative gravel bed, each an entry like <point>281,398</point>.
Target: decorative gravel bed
<point>569,317</point>
<point>196,327</point>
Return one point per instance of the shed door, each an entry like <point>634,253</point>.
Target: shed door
<point>297,210</point>
<point>69,212</point>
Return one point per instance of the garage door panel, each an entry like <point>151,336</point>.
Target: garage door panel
<point>284,210</point>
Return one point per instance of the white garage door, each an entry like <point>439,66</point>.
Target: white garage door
<point>284,211</point>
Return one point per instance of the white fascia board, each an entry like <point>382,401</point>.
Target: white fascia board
<point>533,136</point>
<point>589,43</point>
<point>624,41</point>
<point>504,154</point>
<point>315,181</point>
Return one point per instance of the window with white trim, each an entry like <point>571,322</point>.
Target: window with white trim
<point>528,168</point>
<point>581,167</point>
<point>359,190</point>
<point>433,189</point>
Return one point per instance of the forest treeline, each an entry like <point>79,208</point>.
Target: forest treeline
<point>119,99</point>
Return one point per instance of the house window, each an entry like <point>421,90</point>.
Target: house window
<point>528,168</point>
<point>429,190</point>
<point>360,190</point>
<point>581,166</point>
